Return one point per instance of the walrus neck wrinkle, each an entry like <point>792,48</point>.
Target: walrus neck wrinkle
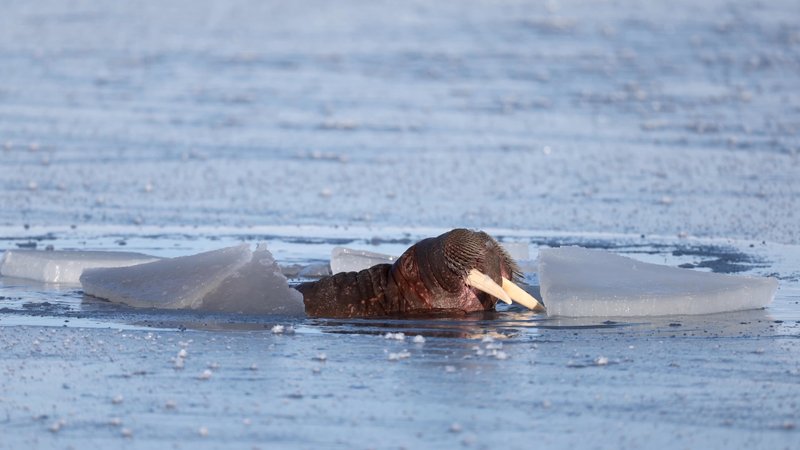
<point>406,290</point>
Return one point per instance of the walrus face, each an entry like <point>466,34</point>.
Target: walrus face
<point>460,271</point>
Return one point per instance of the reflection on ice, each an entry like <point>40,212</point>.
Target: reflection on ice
<point>232,279</point>
<point>63,266</point>
<point>581,282</point>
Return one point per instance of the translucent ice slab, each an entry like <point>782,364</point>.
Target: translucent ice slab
<point>579,282</point>
<point>232,279</point>
<point>350,260</point>
<point>63,266</point>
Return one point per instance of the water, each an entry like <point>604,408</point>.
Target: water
<point>667,131</point>
<point>509,376</point>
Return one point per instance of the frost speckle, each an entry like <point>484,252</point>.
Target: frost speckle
<point>399,355</point>
<point>56,426</point>
<point>501,355</point>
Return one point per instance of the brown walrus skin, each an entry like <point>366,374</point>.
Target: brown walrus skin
<point>429,278</point>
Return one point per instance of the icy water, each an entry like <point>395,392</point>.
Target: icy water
<point>665,132</point>
<point>79,372</point>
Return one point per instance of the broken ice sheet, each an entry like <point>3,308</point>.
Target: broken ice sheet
<point>232,279</point>
<point>580,282</point>
<point>63,266</point>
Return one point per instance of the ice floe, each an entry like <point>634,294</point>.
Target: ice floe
<point>63,266</point>
<point>233,279</point>
<point>582,282</point>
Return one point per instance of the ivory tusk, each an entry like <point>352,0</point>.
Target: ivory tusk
<point>520,296</point>
<point>481,281</point>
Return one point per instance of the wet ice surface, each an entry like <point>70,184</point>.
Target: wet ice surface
<point>187,127</point>
<point>579,282</point>
<point>104,374</point>
<point>555,385</point>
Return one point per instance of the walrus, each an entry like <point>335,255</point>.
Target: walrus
<point>458,272</point>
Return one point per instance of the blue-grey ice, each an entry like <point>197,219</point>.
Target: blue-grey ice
<point>63,266</point>
<point>580,282</point>
<point>233,279</point>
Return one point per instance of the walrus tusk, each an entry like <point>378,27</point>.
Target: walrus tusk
<point>481,281</point>
<point>520,296</point>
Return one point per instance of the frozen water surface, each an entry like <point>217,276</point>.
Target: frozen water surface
<point>635,117</point>
<point>63,266</point>
<point>664,131</point>
<point>581,282</point>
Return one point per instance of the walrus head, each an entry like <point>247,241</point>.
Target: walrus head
<point>460,271</point>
